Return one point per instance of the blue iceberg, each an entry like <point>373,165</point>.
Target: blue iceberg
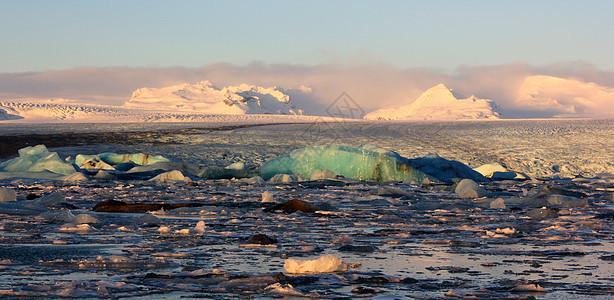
<point>37,159</point>
<point>355,163</point>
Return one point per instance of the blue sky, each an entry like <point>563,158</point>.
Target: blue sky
<point>56,35</point>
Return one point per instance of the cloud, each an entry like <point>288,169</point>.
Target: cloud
<point>372,85</point>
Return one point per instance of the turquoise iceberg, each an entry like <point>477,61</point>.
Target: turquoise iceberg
<point>37,159</point>
<point>355,163</point>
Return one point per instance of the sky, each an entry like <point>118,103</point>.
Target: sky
<point>382,53</point>
<point>55,35</point>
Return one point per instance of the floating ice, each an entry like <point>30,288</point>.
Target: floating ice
<point>171,177</point>
<point>200,227</point>
<point>7,195</point>
<point>109,158</point>
<point>284,178</point>
<point>324,264</point>
<point>322,174</point>
<point>468,188</point>
<point>75,177</point>
<point>237,166</point>
<point>496,171</point>
<point>37,159</point>
<point>267,197</point>
<point>85,219</point>
<point>356,163</point>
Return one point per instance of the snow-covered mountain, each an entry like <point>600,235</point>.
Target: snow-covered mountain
<point>203,97</point>
<point>440,103</point>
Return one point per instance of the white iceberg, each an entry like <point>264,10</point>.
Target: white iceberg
<point>324,264</point>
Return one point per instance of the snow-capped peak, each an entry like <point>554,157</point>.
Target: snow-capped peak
<point>204,97</point>
<point>440,103</point>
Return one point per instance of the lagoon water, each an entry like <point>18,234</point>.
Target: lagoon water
<point>411,239</point>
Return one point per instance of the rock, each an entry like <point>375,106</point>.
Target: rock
<point>292,206</point>
<point>261,239</point>
<point>542,214</point>
<point>468,188</point>
<point>7,195</point>
<point>549,190</point>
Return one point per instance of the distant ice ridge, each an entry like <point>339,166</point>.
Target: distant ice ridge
<point>440,103</point>
<point>204,97</point>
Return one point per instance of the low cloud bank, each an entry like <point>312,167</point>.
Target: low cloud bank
<point>570,89</point>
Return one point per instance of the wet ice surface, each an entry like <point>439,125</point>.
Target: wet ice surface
<point>411,240</point>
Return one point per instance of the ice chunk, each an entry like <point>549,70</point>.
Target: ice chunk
<point>34,175</point>
<point>282,289</point>
<point>498,204</point>
<point>237,166</point>
<point>488,169</point>
<point>468,188</point>
<point>142,159</point>
<point>85,219</point>
<point>267,197</point>
<point>565,201</point>
<point>37,159</point>
<point>7,195</point>
<point>284,178</point>
<point>200,227</point>
<point>147,219</point>
<point>324,264</point>
<point>64,216</point>
<point>170,177</point>
<point>93,163</point>
<point>104,175</point>
<point>51,199</point>
<point>355,163</point>
<point>322,174</point>
<point>444,169</point>
<point>76,177</point>
<point>256,180</point>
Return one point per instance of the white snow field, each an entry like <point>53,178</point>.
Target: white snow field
<point>541,228</point>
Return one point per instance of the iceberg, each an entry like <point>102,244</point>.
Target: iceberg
<point>432,164</point>
<point>103,160</point>
<point>355,163</point>
<point>37,159</point>
<point>323,264</point>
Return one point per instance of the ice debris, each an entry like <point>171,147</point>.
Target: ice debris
<point>355,163</point>
<point>237,166</point>
<point>468,188</point>
<point>323,264</point>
